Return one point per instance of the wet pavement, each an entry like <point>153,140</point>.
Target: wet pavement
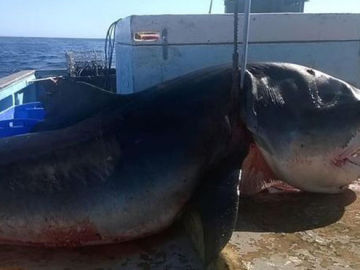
<point>274,231</point>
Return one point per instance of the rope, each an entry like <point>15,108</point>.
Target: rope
<point>109,51</point>
<point>211,5</point>
<point>238,82</point>
<point>236,30</point>
<point>235,90</point>
<point>244,59</point>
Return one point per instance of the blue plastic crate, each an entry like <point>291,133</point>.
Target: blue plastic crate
<point>16,127</point>
<point>20,119</point>
<point>29,111</point>
<point>33,110</point>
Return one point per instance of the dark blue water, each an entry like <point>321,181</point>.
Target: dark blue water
<point>18,53</point>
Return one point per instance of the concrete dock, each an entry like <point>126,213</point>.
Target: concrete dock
<point>274,231</point>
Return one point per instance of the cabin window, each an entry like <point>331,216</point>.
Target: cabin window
<point>6,103</point>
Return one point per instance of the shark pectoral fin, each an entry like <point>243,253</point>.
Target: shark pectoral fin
<point>256,175</point>
<point>211,216</point>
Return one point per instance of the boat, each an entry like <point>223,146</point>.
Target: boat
<point>20,93</point>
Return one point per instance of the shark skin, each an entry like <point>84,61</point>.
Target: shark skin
<point>111,169</point>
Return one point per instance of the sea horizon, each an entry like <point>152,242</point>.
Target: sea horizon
<point>96,38</point>
<point>38,53</point>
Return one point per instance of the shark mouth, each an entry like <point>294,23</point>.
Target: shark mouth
<point>355,157</point>
<point>350,155</point>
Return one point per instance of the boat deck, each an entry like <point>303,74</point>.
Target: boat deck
<point>274,231</point>
<point>297,231</point>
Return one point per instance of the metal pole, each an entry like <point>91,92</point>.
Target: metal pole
<point>244,58</point>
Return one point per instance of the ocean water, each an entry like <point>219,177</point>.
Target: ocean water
<point>18,53</point>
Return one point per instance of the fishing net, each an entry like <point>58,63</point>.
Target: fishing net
<point>85,63</point>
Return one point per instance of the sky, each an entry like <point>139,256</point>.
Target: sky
<point>91,18</point>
